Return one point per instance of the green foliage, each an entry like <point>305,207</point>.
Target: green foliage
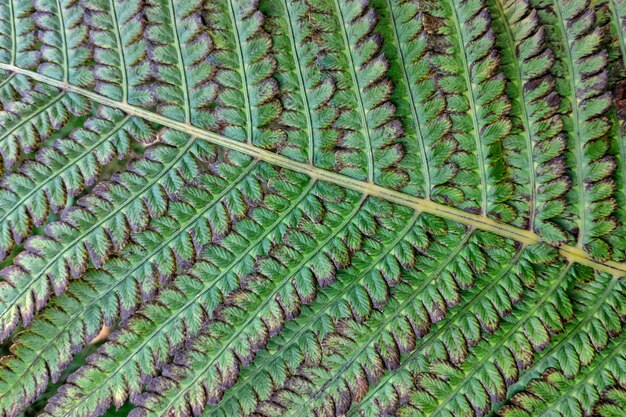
<point>312,207</point>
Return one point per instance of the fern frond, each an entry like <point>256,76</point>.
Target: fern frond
<point>483,107</point>
<point>369,66</point>
<point>336,129</point>
<point>591,392</point>
<point>97,226</point>
<point>6,40</point>
<point>295,120</point>
<point>265,314</point>
<point>590,161</point>
<point>385,346</point>
<point>598,318</point>
<point>312,207</point>
<point>537,107</point>
<point>48,183</point>
<point>415,39</point>
<point>359,282</point>
<point>180,310</point>
<point>453,342</point>
<point>485,385</point>
<point>168,74</point>
<point>261,90</point>
<point>122,284</point>
<point>266,311</point>
<point>30,113</point>
<point>615,29</point>
<point>476,386</point>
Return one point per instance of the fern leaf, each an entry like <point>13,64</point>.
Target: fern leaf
<point>614,30</point>
<point>47,183</point>
<point>598,319</point>
<point>487,104</point>
<point>585,59</point>
<point>537,105</point>
<point>312,207</point>
<point>591,392</point>
<point>457,337</point>
<point>265,313</point>
<point>97,226</point>
<point>479,385</point>
<point>119,287</point>
<point>369,67</point>
<point>178,311</point>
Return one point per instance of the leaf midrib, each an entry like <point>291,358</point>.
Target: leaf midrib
<point>7,80</point>
<point>120,48</point>
<point>64,48</point>
<point>474,220</point>
<point>27,119</point>
<point>620,120</point>
<point>12,23</point>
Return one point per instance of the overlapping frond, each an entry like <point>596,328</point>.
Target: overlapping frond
<point>313,207</point>
<point>48,182</point>
<point>180,309</point>
<point>363,288</point>
<point>30,113</point>
<point>99,224</point>
<point>133,276</point>
<point>597,390</point>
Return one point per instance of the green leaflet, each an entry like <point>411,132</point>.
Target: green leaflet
<point>535,106</point>
<point>312,207</point>
<point>98,225</point>
<point>477,64</point>
<point>596,390</point>
<point>49,181</point>
<point>105,294</point>
<point>590,100</point>
<point>166,327</point>
<point>30,117</point>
